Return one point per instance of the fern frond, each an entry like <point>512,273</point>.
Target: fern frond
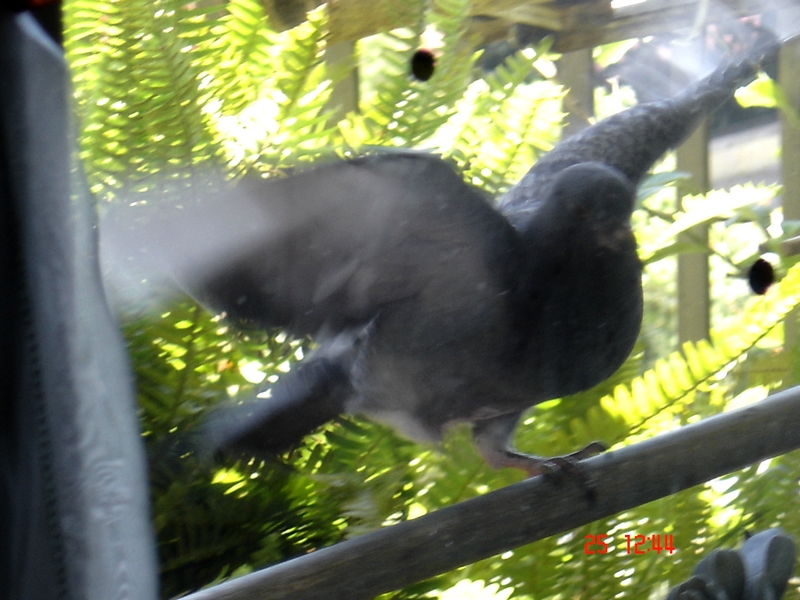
<point>699,210</point>
<point>660,391</point>
<point>501,124</point>
<point>301,50</point>
<point>302,92</point>
<point>141,99</point>
<point>402,112</point>
<point>526,124</point>
<point>287,118</point>
<point>241,55</point>
<point>465,131</point>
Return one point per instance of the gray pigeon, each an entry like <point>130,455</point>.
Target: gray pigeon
<point>431,306</point>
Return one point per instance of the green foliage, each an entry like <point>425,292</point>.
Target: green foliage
<point>768,93</point>
<point>503,123</point>
<point>139,95</point>
<point>398,111</point>
<point>668,390</point>
<point>269,105</point>
<point>164,91</point>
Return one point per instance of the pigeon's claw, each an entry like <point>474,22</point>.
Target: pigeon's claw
<point>592,449</point>
<point>560,467</point>
<point>536,465</point>
<point>555,469</point>
<point>557,466</point>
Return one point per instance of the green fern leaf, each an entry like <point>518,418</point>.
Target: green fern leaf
<point>682,373</point>
<point>716,205</point>
<point>403,112</point>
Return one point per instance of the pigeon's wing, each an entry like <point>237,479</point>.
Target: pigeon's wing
<point>323,248</point>
<point>327,250</point>
<point>633,140</point>
<point>311,394</point>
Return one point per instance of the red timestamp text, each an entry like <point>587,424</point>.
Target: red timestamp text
<point>634,543</point>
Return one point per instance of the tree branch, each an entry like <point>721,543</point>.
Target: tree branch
<point>461,534</point>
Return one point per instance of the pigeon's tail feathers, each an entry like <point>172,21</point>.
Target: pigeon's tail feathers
<point>310,395</point>
<point>706,94</point>
<point>633,140</point>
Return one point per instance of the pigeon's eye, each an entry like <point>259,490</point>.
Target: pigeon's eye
<point>580,211</point>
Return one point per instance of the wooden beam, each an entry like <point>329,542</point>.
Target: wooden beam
<point>577,24</point>
<point>510,517</point>
<point>285,14</point>
<point>694,288</point>
<point>350,20</point>
<point>789,76</point>
<point>639,20</point>
<point>556,16</point>
<point>575,73</point>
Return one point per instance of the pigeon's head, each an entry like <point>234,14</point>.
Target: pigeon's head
<point>595,194</point>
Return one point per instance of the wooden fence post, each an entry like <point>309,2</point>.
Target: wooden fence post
<point>789,75</point>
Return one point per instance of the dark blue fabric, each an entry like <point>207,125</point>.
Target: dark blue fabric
<point>74,508</point>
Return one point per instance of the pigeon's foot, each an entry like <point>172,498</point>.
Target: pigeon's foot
<point>535,465</point>
<point>492,436</point>
<point>554,469</point>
